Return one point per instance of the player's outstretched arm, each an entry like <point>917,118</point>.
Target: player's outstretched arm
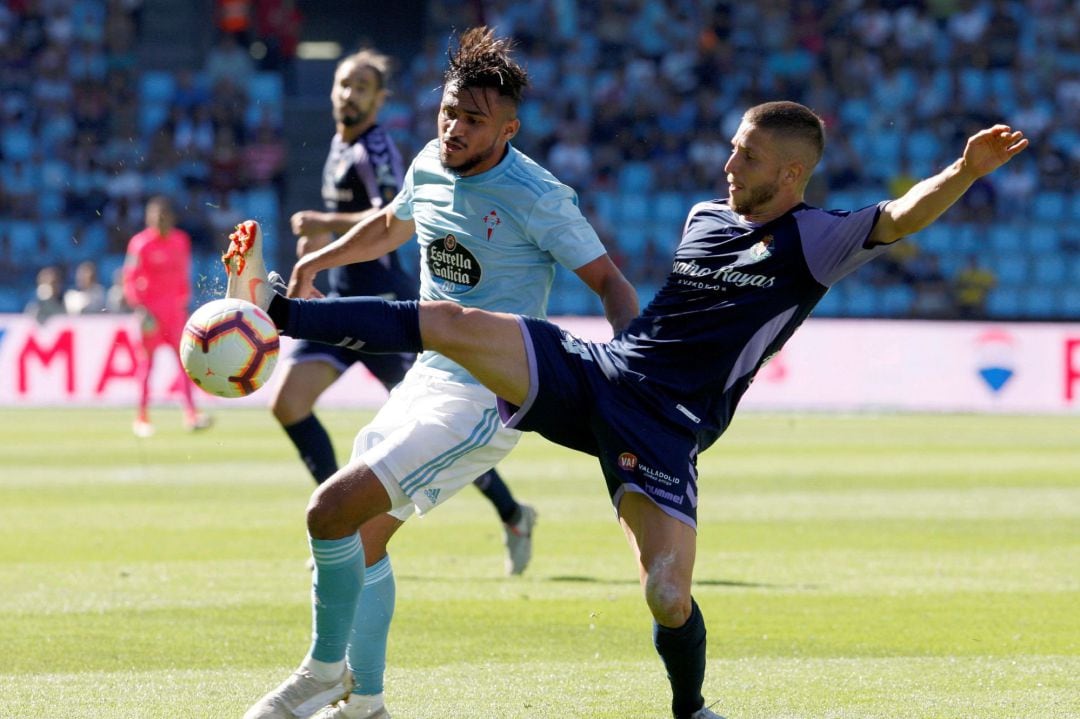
<point>379,234</point>
<point>985,151</point>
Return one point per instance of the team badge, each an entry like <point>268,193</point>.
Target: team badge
<point>492,221</point>
<point>761,250</point>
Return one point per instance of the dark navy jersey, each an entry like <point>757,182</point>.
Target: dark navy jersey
<point>358,176</point>
<point>735,294</point>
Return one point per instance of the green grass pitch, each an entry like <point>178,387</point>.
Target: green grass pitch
<point>848,567</point>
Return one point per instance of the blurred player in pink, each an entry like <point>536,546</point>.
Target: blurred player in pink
<point>157,285</point>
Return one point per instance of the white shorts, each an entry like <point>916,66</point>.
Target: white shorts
<point>431,438</point>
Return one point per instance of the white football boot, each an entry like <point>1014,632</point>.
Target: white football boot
<point>355,707</point>
<point>518,540</point>
<point>244,266</point>
<point>300,696</point>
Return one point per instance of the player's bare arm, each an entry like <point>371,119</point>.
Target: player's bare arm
<point>985,151</point>
<point>369,240</point>
<point>615,291</point>
<point>314,222</point>
<point>315,230</point>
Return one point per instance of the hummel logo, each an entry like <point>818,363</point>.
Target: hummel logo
<point>432,495</point>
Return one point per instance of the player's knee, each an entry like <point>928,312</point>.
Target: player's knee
<point>323,521</point>
<point>288,410</point>
<point>668,601</point>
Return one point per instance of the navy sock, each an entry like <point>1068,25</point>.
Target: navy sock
<point>367,324</point>
<point>495,489</point>
<point>315,448</point>
<point>279,311</point>
<point>683,652</point>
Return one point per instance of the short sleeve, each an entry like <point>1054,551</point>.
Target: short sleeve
<point>834,242</point>
<point>558,227</point>
<point>401,205</point>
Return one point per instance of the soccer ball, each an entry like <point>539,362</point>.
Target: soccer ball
<point>229,347</point>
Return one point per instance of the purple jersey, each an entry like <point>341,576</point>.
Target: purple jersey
<point>736,293</point>
<point>358,176</point>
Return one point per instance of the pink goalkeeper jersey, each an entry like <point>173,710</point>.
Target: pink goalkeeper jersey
<point>157,272</point>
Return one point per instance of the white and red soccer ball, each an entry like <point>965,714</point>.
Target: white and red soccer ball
<point>229,347</point>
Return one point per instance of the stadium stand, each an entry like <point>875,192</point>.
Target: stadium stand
<point>638,112</point>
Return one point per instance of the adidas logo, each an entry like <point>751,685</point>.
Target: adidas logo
<point>432,495</point>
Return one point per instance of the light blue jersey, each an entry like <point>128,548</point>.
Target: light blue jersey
<point>492,240</point>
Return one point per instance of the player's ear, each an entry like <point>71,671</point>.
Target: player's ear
<point>793,173</point>
<point>511,128</point>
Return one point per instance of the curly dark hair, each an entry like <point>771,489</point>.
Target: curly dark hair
<point>483,60</point>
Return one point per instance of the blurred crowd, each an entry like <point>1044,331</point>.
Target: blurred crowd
<point>636,113</point>
<point>84,140</point>
<point>642,107</point>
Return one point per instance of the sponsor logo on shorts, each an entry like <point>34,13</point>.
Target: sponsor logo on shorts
<point>657,475</point>
<point>432,495</point>
<point>665,495</point>
<point>629,462</point>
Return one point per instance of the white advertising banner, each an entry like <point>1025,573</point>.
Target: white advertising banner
<point>830,365</point>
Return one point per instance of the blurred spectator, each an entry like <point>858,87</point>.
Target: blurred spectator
<point>115,301</point>
<point>570,159</point>
<point>229,60</point>
<point>48,295</point>
<point>932,296</point>
<point>225,165</point>
<point>264,157</point>
<point>87,297</point>
<point>190,91</point>
<point>234,17</point>
<point>277,25</point>
<point>222,218</point>
<point>971,287</point>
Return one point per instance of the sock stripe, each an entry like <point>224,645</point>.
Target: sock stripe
<point>336,551</point>
<point>480,436</point>
<point>378,571</point>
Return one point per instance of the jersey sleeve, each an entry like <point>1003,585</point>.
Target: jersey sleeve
<point>381,174</point>
<point>834,243</point>
<point>401,205</point>
<point>558,227</point>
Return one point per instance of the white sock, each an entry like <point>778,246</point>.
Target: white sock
<point>366,703</point>
<point>323,671</point>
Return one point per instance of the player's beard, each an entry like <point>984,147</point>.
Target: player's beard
<point>466,165</point>
<point>759,196</point>
<point>352,115</point>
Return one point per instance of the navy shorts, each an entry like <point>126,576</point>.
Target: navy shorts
<point>387,368</point>
<point>573,403</point>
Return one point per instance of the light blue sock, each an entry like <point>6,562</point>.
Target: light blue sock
<point>335,590</point>
<point>374,611</point>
